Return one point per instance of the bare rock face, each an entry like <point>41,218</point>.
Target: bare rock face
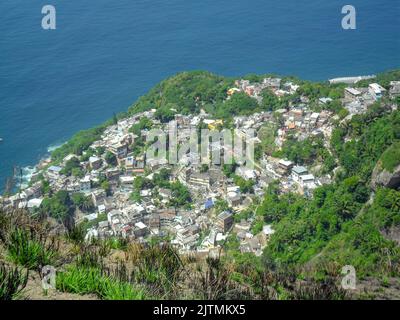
<point>383,178</point>
<point>392,234</point>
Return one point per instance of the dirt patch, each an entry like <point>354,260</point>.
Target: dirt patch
<point>378,289</point>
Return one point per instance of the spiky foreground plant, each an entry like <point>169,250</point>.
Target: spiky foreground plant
<point>12,282</point>
<point>82,280</point>
<point>29,249</point>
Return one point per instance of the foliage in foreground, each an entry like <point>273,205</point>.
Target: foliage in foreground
<point>81,280</point>
<point>156,271</point>
<point>27,241</point>
<point>30,250</point>
<point>12,282</point>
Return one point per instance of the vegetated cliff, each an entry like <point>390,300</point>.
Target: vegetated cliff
<point>387,171</point>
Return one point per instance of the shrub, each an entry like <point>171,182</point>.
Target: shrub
<point>30,249</point>
<point>215,283</point>
<point>77,234</point>
<point>114,290</point>
<point>157,266</point>
<point>90,257</point>
<point>391,157</point>
<point>82,280</point>
<point>78,280</point>
<point>12,282</point>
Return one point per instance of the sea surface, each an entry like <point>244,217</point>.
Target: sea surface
<point>104,54</point>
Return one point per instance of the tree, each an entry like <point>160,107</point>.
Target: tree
<point>79,142</point>
<point>390,159</point>
<point>111,159</point>
<point>267,136</point>
<point>138,146</point>
<point>46,189</point>
<point>257,226</point>
<point>246,186</point>
<point>180,195</point>
<point>162,178</point>
<point>143,124</point>
<point>303,152</point>
<point>82,202</point>
<point>100,150</point>
<point>105,185</point>
<point>165,114</point>
<point>59,206</point>
<point>239,104</point>
<point>270,101</point>
<point>86,155</point>
<point>77,172</point>
<point>141,183</point>
<point>229,169</point>
<point>221,206</point>
<point>186,92</point>
<point>114,118</point>
<point>135,196</point>
<point>70,165</point>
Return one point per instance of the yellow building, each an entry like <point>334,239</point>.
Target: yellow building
<point>231,91</point>
<point>215,124</point>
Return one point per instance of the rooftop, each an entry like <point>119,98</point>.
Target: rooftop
<point>299,170</point>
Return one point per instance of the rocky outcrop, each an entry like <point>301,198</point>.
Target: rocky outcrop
<point>383,178</point>
<point>392,234</point>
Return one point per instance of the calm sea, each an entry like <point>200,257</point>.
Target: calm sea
<point>104,54</point>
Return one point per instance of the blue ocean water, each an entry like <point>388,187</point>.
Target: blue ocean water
<point>104,54</point>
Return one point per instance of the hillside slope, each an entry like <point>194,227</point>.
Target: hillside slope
<point>352,220</point>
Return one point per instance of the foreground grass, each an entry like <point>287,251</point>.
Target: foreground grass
<point>116,270</point>
<point>29,250</point>
<point>12,282</point>
<point>81,280</point>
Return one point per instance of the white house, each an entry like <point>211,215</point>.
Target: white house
<point>297,172</point>
<point>91,234</point>
<point>85,184</point>
<point>126,183</point>
<point>34,203</point>
<point>351,93</point>
<point>307,181</point>
<point>376,90</point>
<point>54,172</point>
<point>267,230</point>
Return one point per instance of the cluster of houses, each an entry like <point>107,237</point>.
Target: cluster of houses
<point>291,177</point>
<point>255,89</point>
<point>29,198</point>
<point>202,227</point>
<point>303,123</point>
<point>357,100</point>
